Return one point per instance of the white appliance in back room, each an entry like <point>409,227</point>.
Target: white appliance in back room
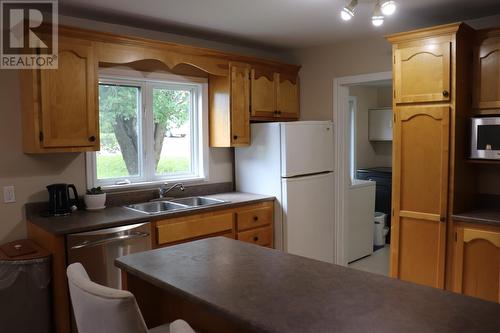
<point>293,161</point>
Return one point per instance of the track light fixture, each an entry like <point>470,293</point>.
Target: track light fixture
<point>382,9</point>
<point>377,17</point>
<point>388,7</point>
<point>347,12</point>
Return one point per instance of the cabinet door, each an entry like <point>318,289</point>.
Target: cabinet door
<point>69,98</point>
<point>477,263</point>
<point>422,73</point>
<point>263,91</point>
<point>380,124</point>
<point>487,75</point>
<point>240,106</point>
<point>288,98</point>
<point>421,147</point>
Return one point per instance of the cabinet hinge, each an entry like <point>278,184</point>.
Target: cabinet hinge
<point>394,57</point>
<point>456,236</point>
<point>40,136</point>
<point>392,212</point>
<point>394,117</point>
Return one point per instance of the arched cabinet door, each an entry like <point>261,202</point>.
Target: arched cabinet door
<point>288,97</point>
<point>487,74</point>
<point>263,88</point>
<point>477,262</point>
<point>69,98</point>
<point>420,194</point>
<point>422,73</point>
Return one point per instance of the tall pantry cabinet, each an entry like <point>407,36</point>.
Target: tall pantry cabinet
<point>432,98</point>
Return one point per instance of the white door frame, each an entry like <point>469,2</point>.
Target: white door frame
<point>342,177</point>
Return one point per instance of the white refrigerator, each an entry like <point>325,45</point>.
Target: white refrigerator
<point>293,161</point>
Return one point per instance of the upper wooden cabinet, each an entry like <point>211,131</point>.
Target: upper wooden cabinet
<point>230,108</point>
<point>477,262</point>
<point>420,171</point>
<point>60,108</point>
<point>288,97</point>
<point>264,94</point>
<point>274,96</point>
<point>422,71</point>
<point>487,70</point>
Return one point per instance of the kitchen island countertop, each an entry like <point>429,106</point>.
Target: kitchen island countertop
<point>255,289</point>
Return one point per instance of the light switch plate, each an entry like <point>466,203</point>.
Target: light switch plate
<point>9,194</point>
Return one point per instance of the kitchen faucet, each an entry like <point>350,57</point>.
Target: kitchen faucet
<point>164,189</point>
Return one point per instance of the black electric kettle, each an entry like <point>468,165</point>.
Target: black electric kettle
<point>59,199</point>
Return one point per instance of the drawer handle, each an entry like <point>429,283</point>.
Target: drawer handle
<point>446,93</point>
<point>255,218</point>
<point>235,137</point>
<point>256,238</point>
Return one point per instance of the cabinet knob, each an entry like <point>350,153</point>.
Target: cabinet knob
<point>255,218</point>
<point>442,219</point>
<point>446,93</point>
<point>256,238</point>
<point>92,139</point>
<point>279,112</point>
<point>235,137</point>
<point>275,111</point>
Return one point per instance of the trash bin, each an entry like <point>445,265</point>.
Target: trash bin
<point>25,276</point>
<point>380,229</point>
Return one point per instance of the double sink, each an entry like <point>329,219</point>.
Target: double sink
<point>165,206</point>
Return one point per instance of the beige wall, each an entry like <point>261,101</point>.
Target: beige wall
<point>320,65</point>
<point>31,173</point>
<point>369,153</point>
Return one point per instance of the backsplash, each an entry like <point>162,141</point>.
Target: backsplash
<point>121,198</point>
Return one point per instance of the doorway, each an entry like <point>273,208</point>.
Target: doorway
<point>363,150</point>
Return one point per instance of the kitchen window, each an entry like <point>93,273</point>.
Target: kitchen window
<point>152,129</point>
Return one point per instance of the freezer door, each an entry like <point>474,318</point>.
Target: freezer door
<point>308,216</point>
<point>306,147</point>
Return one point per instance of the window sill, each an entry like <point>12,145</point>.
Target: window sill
<point>153,184</point>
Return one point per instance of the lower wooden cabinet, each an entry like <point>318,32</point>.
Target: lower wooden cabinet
<point>250,223</point>
<point>193,226</point>
<point>255,224</point>
<point>477,262</point>
<point>259,236</point>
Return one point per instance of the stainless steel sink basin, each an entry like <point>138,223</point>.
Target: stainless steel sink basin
<point>156,207</point>
<point>165,206</point>
<point>197,201</point>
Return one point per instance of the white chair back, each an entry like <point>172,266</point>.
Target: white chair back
<point>101,309</point>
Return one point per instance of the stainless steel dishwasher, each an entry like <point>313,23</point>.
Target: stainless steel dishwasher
<point>97,250</point>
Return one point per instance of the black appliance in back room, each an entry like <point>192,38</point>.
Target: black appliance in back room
<point>383,177</point>
<point>60,202</point>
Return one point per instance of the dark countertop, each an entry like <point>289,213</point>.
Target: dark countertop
<point>271,291</point>
<point>83,220</point>
<point>376,169</point>
<point>481,216</point>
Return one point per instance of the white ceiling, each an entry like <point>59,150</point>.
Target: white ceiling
<point>281,24</point>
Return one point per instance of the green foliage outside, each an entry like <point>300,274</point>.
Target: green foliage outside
<point>113,166</point>
<point>118,115</point>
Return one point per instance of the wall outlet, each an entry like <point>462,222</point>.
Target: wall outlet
<point>9,194</point>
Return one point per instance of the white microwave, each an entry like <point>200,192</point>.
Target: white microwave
<point>485,138</point>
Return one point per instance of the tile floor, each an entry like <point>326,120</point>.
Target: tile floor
<point>377,263</point>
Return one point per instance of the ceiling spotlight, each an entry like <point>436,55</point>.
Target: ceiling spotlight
<point>388,7</point>
<point>377,18</point>
<point>347,12</point>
